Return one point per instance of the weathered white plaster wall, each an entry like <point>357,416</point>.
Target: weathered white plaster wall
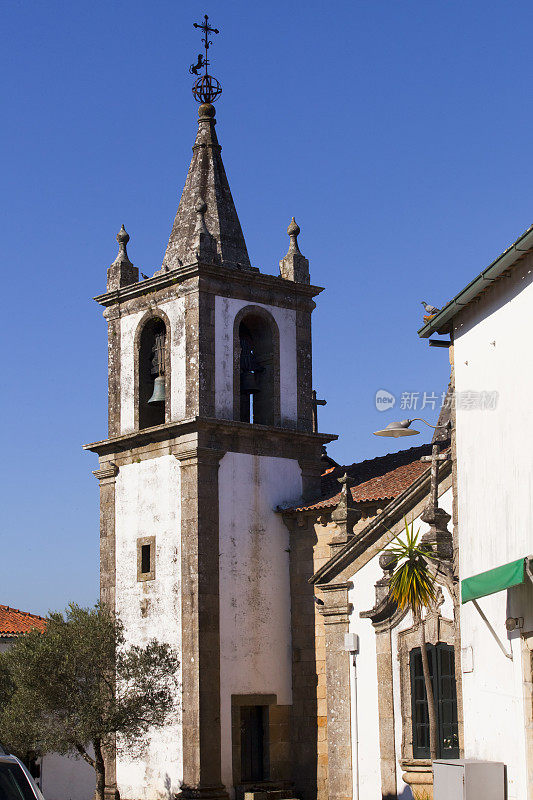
<point>226,309</point>
<point>66,778</point>
<point>492,352</point>
<point>148,504</point>
<point>363,598</point>
<point>255,606</point>
<point>366,755</point>
<point>175,311</point>
<point>128,326</point>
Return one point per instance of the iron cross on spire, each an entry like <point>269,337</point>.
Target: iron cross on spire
<point>207,29</point>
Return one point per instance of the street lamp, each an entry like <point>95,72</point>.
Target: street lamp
<point>397,429</point>
<point>402,428</point>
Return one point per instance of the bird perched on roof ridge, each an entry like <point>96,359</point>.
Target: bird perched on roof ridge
<point>430,309</point>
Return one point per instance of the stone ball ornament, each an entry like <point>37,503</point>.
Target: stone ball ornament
<point>387,562</point>
<point>206,89</point>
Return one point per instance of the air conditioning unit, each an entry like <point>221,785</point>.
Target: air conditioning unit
<point>468,779</point>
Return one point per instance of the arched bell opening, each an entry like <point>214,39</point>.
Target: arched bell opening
<point>256,369</point>
<point>152,394</point>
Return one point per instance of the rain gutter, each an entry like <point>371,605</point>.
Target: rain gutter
<point>440,323</point>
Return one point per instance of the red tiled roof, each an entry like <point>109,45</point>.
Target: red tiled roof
<point>381,478</point>
<point>14,622</point>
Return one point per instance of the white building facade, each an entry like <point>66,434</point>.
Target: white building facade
<point>489,328</point>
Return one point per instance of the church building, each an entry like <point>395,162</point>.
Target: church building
<point>227,532</point>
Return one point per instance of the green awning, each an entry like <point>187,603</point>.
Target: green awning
<point>494,580</point>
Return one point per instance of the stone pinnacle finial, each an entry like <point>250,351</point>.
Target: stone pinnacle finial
<point>346,482</point>
<point>294,267</point>
<point>345,515</point>
<point>121,272</point>
<point>122,239</point>
<point>294,231</point>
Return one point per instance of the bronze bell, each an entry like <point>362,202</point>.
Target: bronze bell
<point>158,395</point>
<point>249,383</point>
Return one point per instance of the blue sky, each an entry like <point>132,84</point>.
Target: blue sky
<point>397,133</point>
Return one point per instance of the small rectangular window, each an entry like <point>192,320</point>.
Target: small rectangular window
<point>146,558</point>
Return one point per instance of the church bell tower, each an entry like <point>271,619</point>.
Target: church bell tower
<point>210,432</point>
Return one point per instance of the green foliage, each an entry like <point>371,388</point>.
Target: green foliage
<point>412,584</point>
<point>77,683</point>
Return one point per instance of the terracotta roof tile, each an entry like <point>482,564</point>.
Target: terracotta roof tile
<point>381,478</point>
<point>14,622</point>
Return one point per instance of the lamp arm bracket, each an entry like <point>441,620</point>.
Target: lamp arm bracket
<point>419,419</point>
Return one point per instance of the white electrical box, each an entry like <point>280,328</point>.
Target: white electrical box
<point>351,642</point>
<point>468,779</point>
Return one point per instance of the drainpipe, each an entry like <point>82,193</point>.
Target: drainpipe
<point>351,645</point>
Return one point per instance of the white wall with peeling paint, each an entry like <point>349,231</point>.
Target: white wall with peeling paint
<point>148,504</point>
<point>255,605</point>
<point>226,309</point>
<point>175,311</point>
<point>364,688</point>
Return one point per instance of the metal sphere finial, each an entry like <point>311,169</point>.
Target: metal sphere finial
<point>206,89</point>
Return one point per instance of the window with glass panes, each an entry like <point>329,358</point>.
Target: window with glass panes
<point>442,670</point>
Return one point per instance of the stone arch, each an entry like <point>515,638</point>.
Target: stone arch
<point>155,320</point>
<point>256,326</point>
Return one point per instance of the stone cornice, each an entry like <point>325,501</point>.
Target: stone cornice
<point>209,426</point>
<point>334,587</point>
<point>230,277</point>
<point>194,455</point>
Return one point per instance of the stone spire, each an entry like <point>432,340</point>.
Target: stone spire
<point>207,180</point>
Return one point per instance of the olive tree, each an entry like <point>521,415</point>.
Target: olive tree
<point>71,688</point>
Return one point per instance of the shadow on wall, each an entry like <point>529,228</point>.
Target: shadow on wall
<point>67,778</point>
<point>406,794</point>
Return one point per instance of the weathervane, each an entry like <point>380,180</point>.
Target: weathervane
<point>206,88</point>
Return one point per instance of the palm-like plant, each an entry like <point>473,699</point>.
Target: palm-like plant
<point>412,585</point>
